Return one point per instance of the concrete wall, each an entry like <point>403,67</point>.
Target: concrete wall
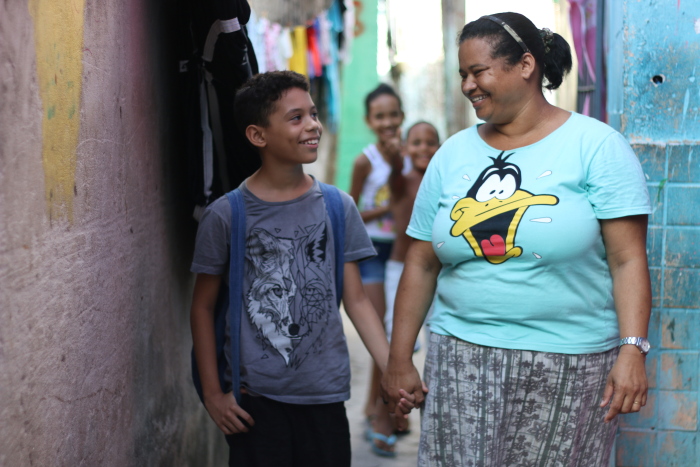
<point>655,101</point>
<point>95,241</point>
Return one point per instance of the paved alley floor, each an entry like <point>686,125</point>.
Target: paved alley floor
<point>362,455</point>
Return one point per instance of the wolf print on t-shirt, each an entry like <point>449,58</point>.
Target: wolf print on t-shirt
<point>489,215</point>
<point>290,299</point>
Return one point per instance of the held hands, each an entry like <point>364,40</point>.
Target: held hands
<point>626,388</point>
<point>227,414</point>
<point>404,407</point>
<point>402,401</point>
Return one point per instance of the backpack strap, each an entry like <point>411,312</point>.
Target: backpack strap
<point>229,310</point>
<point>236,274</point>
<point>336,212</point>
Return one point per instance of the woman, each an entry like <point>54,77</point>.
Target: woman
<point>532,229</point>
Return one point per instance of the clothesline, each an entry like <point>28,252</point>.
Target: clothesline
<point>315,49</point>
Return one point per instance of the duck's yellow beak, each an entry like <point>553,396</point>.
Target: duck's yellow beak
<point>468,212</point>
<point>495,240</point>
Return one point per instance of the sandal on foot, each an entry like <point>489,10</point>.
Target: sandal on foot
<point>388,440</point>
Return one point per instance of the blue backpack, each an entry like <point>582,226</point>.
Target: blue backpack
<point>231,310</point>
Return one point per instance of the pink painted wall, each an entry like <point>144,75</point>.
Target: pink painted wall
<point>94,285</point>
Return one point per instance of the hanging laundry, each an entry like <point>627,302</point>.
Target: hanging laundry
<point>256,33</point>
<point>219,157</point>
<point>272,33</point>
<point>278,47</point>
<point>314,55</point>
<point>298,62</point>
<point>312,50</point>
<point>583,18</point>
<point>324,38</point>
<point>345,52</point>
<point>332,23</point>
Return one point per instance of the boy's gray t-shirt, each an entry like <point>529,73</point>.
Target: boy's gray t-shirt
<point>293,347</point>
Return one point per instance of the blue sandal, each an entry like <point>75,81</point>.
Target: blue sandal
<point>390,441</point>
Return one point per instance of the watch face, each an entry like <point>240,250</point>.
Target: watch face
<point>645,345</point>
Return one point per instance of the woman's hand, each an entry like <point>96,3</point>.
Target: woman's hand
<point>403,390</point>
<point>626,388</point>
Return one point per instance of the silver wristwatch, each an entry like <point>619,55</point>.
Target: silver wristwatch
<point>642,343</point>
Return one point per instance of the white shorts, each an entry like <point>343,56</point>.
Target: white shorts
<point>392,275</point>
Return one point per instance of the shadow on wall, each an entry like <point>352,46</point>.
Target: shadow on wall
<point>165,378</point>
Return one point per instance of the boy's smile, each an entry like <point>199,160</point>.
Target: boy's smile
<point>294,130</point>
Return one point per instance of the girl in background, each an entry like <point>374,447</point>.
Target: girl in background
<point>371,191</point>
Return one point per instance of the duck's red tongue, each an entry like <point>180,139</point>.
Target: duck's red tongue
<point>495,247</point>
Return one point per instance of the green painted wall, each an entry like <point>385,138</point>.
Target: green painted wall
<point>358,78</point>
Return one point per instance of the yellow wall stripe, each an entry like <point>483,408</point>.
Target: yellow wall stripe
<point>58,35</point>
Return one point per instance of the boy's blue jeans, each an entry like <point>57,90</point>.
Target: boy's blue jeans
<point>291,435</point>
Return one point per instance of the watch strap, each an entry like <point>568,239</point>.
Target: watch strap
<point>637,342</point>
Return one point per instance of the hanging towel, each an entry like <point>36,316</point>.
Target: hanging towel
<point>256,33</point>
<point>315,65</point>
<point>298,61</point>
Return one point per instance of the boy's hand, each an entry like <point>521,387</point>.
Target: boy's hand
<point>403,408</point>
<point>227,414</point>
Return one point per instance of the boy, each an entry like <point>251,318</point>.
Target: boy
<point>294,363</point>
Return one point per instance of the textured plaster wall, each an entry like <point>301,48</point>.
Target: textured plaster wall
<point>657,105</point>
<point>95,241</point>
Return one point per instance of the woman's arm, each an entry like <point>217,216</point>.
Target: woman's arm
<point>625,246</point>
<point>413,299</point>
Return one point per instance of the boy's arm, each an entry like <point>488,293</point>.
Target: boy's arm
<point>222,408</point>
<point>363,317</point>
<point>416,291</point>
<point>371,330</point>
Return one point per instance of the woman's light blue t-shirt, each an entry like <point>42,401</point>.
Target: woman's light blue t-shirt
<point>518,235</point>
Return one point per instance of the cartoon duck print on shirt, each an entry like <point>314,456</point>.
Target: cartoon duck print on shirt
<point>489,216</point>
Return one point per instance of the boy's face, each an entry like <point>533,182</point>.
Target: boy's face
<point>294,130</point>
<point>421,144</point>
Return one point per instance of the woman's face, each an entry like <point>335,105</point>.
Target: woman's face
<point>385,117</point>
<point>494,89</point>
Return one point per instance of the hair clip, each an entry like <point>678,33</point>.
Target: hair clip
<point>547,37</point>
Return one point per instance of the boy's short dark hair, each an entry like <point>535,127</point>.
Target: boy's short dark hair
<point>255,100</point>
